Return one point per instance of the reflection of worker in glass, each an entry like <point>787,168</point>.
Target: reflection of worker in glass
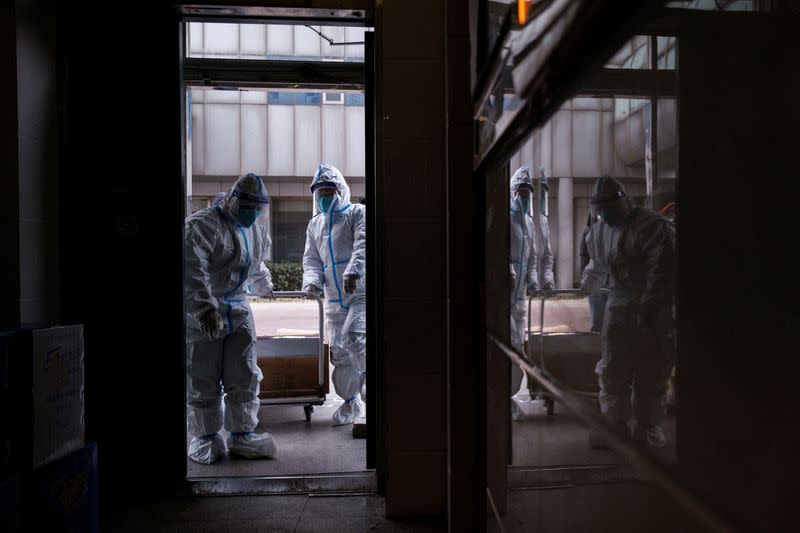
<point>638,246</point>
<point>524,278</point>
<point>597,299</point>
<point>225,248</point>
<point>334,262</point>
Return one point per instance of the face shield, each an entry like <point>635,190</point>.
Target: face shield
<point>329,189</point>
<point>324,197</point>
<point>248,201</point>
<point>522,191</point>
<point>523,198</point>
<point>609,202</point>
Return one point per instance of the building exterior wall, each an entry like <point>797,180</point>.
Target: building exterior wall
<point>588,138</point>
<point>281,135</point>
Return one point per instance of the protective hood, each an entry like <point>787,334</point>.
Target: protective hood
<point>248,190</point>
<point>329,174</point>
<point>610,201</point>
<point>520,178</point>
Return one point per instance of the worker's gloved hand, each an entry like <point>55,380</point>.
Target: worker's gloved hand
<point>270,294</point>
<point>350,283</point>
<point>210,323</point>
<point>548,289</point>
<point>313,292</point>
<point>513,279</point>
<point>533,289</point>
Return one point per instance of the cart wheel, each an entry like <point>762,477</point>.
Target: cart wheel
<point>308,410</point>
<point>550,406</point>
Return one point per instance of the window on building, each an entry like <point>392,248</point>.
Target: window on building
<point>290,217</point>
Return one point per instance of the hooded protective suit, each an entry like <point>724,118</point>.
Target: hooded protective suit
<point>523,258</point>
<point>523,263</point>
<point>636,258</point>
<point>335,250</point>
<point>223,257</point>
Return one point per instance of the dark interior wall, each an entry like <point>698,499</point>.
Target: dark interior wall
<point>121,238</point>
<point>29,187</point>
<point>411,88</point>
<point>738,300</point>
<point>37,116</point>
<point>464,483</point>
<point>9,169</point>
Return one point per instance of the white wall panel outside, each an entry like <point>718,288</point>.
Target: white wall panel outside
<point>354,35</point>
<point>586,142</point>
<point>280,118</point>
<point>254,139</point>
<point>222,39</point>
<point>222,138</point>
<point>253,39</point>
<point>306,42</point>
<point>562,143</point>
<point>336,33</point>
<point>355,132</point>
<point>198,137</point>
<point>306,139</point>
<point>333,137</point>
<point>280,40</point>
<point>195,31</point>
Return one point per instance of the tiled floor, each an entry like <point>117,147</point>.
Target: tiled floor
<point>267,514</point>
<point>613,508</point>
<point>303,448</point>
<point>541,440</point>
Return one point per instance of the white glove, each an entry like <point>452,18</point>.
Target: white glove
<point>211,324</point>
<point>350,283</point>
<point>533,289</point>
<point>313,292</point>
<point>548,289</point>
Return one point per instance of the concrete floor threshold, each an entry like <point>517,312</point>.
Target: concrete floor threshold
<point>339,483</point>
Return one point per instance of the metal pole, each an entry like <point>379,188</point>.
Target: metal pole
<point>651,150</point>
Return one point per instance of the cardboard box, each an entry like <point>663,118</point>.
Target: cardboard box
<point>43,395</point>
<point>292,376</point>
<point>64,495</point>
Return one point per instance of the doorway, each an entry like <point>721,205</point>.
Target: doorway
<point>277,96</point>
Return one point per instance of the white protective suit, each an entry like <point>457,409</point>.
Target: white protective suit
<point>222,259</point>
<point>336,248</point>
<point>636,259</point>
<point>523,262</point>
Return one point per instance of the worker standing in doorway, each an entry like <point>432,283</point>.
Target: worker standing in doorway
<point>524,277</point>
<point>225,248</point>
<point>637,245</point>
<point>334,264</point>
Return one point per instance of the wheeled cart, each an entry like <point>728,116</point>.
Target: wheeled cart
<point>294,366</point>
<point>569,357</point>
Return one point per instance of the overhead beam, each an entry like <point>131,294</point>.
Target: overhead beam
<point>328,75</point>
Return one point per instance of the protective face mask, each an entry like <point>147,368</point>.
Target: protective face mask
<point>325,202</point>
<point>525,202</point>
<point>247,215</point>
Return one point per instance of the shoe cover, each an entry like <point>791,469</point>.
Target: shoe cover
<point>252,445</point>
<point>348,412</point>
<point>517,413</point>
<point>653,436</point>
<point>206,450</point>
